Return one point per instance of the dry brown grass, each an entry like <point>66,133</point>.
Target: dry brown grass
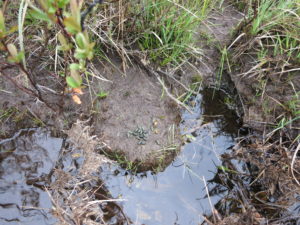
<point>77,198</point>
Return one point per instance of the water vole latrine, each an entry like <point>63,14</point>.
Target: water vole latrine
<point>175,195</point>
<point>178,195</point>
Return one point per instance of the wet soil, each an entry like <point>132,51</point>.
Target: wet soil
<point>177,195</point>
<point>213,35</point>
<point>33,159</point>
<point>136,100</point>
<point>19,109</point>
<point>266,98</point>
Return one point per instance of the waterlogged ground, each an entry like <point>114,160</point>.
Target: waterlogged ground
<point>178,194</point>
<point>175,195</point>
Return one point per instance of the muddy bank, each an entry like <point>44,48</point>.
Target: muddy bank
<point>134,100</point>
<point>120,100</point>
<point>267,100</point>
<point>267,88</point>
<point>131,119</point>
<point>212,36</point>
<point>136,120</point>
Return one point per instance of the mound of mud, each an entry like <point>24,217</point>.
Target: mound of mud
<point>136,119</point>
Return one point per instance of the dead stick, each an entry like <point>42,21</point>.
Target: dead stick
<point>171,96</point>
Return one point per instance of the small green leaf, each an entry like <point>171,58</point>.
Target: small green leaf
<point>51,10</point>
<point>65,45</point>
<point>226,169</point>
<point>72,82</point>
<point>39,15</point>
<point>2,23</point>
<point>80,53</point>
<point>102,94</point>
<point>74,66</point>
<point>91,51</point>
<point>20,56</point>
<point>62,3</point>
<point>72,25</point>
<point>81,40</point>
<point>190,137</point>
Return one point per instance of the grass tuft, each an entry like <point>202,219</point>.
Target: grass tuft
<point>269,56</point>
<point>166,28</point>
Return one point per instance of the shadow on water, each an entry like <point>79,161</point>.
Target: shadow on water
<point>27,158</point>
<point>178,194</point>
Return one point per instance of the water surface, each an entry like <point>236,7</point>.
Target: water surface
<point>24,158</point>
<point>178,195</point>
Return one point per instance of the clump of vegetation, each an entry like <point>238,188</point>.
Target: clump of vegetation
<point>266,51</point>
<point>166,28</point>
<point>263,60</point>
<point>61,36</point>
<point>161,31</point>
<point>58,18</point>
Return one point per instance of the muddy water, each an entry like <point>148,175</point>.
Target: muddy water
<point>178,194</point>
<point>24,158</point>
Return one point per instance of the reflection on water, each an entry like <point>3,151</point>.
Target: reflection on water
<point>175,196</point>
<point>25,159</point>
<point>178,195</point>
